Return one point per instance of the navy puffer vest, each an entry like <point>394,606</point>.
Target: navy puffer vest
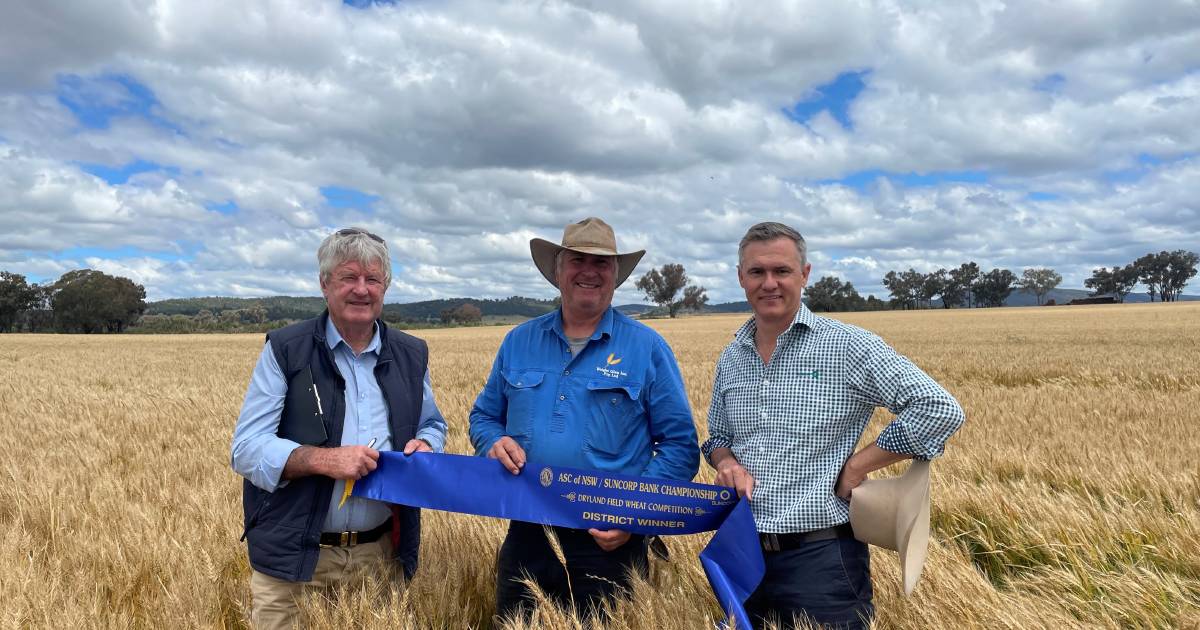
<point>283,528</point>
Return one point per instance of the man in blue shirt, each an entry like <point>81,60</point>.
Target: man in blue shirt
<point>326,396</point>
<point>586,387</point>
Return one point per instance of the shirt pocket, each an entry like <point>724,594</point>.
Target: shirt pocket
<point>744,406</point>
<point>617,428</point>
<point>522,389</point>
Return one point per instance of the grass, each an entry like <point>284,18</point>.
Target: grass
<point>1071,498</point>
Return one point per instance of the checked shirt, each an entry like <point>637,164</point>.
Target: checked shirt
<point>794,422</point>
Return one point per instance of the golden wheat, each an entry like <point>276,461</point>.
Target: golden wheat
<point>1071,498</point>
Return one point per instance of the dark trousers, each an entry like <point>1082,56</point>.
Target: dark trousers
<point>594,573</point>
<point>827,582</point>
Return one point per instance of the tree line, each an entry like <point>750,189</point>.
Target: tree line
<point>83,300</point>
<point>90,301</point>
<point>1164,274</point>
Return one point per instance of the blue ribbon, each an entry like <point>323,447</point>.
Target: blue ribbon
<point>573,497</point>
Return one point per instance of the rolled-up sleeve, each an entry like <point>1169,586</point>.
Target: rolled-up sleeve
<point>926,414</point>
<point>257,453</point>
<point>432,427</point>
<point>672,430</point>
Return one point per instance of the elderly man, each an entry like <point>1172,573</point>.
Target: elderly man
<point>792,396</point>
<point>326,396</point>
<point>587,387</point>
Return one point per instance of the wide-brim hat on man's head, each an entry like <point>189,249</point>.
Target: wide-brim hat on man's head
<point>589,236</point>
<point>893,513</point>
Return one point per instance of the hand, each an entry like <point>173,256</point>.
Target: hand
<point>731,474</point>
<point>610,539</point>
<point>848,479</point>
<point>348,462</point>
<point>510,454</point>
<point>417,446</point>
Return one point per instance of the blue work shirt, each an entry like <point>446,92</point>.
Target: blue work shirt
<point>259,455</point>
<point>619,405</point>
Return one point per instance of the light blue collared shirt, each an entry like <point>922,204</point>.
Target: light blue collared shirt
<point>259,455</point>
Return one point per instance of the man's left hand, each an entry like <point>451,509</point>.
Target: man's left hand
<point>610,539</point>
<point>417,445</point>
<point>848,480</point>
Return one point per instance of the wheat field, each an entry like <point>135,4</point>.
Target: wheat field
<point>1071,497</point>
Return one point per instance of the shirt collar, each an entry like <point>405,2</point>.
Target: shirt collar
<point>804,317</point>
<point>603,329</point>
<point>333,337</point>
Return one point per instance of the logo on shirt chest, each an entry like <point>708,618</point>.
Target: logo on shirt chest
<point>608,368</point>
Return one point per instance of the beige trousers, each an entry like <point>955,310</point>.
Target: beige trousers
<point>274,600</point>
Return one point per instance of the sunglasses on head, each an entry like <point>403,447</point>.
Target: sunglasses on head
<point>353,231</point>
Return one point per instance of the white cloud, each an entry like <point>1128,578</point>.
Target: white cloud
<point>477,127</point>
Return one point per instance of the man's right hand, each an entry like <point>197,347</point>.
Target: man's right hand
<point>510,454</point>
<point>349,462</point>
<point>342,462</point>
<point>731,474</point>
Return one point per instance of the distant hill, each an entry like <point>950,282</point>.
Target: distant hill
<point>515,307</point>
<point>728,307</point>
<point>278,307</point>
<point>1062,296</point>
<point>636,310</point>
<point>286,307</point>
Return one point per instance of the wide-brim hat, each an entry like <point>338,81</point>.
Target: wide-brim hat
<point>589,236</point>
<point>893,513</point>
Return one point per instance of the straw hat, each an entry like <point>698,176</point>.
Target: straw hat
<point>893,513</point>
<point>589,236</point>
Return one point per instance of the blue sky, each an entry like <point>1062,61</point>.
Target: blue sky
<point>210,151</point>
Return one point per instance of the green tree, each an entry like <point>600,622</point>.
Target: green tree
<point>90,301</point>
<point>1152,271</point>
<point>933,285</point>
<point>905,288</point>
<point>661,286</point>
<point>1039,282</point>
<point>1180,267</point>
<point>994,287</point>
<point>468,313</point>
<point>1117,282</point>
<point>16,297</point>
<point>964,279</point>
<point>830,294</point>
<point>694,297</point>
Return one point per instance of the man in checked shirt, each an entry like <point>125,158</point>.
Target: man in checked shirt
<point>792,396</point>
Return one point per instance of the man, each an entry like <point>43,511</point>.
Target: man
<point>326,396</point>
<point>792,396</point>
<point>586,387</point>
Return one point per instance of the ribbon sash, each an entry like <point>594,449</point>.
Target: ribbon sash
<point>573,497</point>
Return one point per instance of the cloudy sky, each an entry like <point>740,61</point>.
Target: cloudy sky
<point>206,148</point>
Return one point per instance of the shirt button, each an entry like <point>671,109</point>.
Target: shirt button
<point>566,372</point>
<point>562,397</point>
<point>764,415</point>
<point>766,383</point>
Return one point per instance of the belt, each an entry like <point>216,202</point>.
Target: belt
<point>349,539</point>
<point>787,542</point>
